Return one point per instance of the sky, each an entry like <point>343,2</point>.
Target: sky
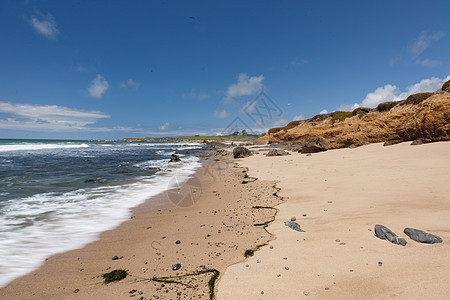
<point>116,69</point>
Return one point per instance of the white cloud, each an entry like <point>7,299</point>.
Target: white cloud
<point>199,95</point>
<point>323,111</point>
<point>424,41</point>
<point>98,87</point>
<point>130,84</point>
<point>47,117</point>
<point>45,25</point>
<point>428,62</point>
<point>388,92</point>
<point>245,86</point>
<point>348,107</point>
<point>221,114</point>
<point>298,118</point>
<point>164,126</point>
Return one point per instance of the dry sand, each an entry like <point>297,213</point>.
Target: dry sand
<point>214,224</point>
<point>337,197</point>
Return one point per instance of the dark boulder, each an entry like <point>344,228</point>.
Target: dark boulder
<point>241,152</point>
<point>422,236</point>
<point>314,144</point>
<point>385,233</point>
<point>174,158</point>
<point>276,152</point>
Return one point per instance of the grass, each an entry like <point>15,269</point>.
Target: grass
<point>341,116</point>
<point>115,275</point>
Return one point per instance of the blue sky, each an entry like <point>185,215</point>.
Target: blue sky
<point>114,69</point>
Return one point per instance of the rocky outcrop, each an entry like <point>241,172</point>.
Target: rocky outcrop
<point>422,118</point>
<point>277,152</point>
<point>241,152</point>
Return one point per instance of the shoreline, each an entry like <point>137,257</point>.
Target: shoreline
<point>213,232</point>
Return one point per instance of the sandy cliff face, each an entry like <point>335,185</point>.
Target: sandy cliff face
<point>413,119</point>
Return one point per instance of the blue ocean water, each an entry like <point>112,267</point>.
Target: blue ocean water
<point>57,195</point>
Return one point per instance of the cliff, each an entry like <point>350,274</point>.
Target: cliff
<point>421,118</point>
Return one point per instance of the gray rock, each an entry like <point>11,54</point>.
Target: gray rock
<point>241,152</point>
<point>385,233</point>
<point>422,236</point>
<point>276,152</point>
<point>293,225</point>
<point>176,267</point>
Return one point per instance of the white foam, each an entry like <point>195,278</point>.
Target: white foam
<point>36,146</point>
<point>37,227</point>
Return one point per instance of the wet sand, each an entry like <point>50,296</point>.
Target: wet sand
<point>211,217</point>
<point>337,197</point>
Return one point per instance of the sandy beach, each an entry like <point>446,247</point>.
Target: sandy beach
<point>337,197</point>
<point>205,225</point>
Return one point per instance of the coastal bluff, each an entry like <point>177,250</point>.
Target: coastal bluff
<point>421,118</point>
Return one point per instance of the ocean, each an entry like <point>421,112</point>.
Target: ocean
<point>58,195</point>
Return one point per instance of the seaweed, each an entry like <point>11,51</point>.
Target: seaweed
<point>115,275</point>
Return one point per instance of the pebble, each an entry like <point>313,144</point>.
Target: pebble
<point>304,215</point>
<point>338,240</point>
<point>271,247</point>
<point>178,242</point>
<point>287,268</point>
<point>258,261</point>
<point>325,209</point>
<point>293,219</point>
<point>306,293</point>
<point>115,257</point>
<point>327,289</point>
<point>278,275</point>
<point>176,267</point>
<point>330,201</point>
<point>285,258</point>
<point>380,263</point>
<point>76,291</point>
<point>246,266</point>
<point>351,270</point>
<point>262,292</point>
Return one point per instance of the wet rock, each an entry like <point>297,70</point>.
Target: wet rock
<point>385,233</point>
<point>115,257</point>
<point>178,242</point>
<point>176,267</point>
<point>422,236</point>
<point>174,158</point>
<point>241,152</point>
<point>293,225</point>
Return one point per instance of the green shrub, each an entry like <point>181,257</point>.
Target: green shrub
<point>446,85</point>
<point>417,98</point>
<point>341,116</point>
<point>386,106</point>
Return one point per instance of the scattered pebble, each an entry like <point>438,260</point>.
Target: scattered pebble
<point>306,293</point>
<point>285,258</point>
<point>178,242</point>
<point>325,209</point>
<point>278,275</point>
<point>76,291</point>
<point>351,270</point>
<point>327,289</point>
<point>258,261</point>
<point>287,268</point>
<point>330,201</point>
<point>293,219</point>
<point>380,263</point>
<point>246,266</point>
<point>338,240</point>
<point>304,215</point>
<point>262,292</point>
<point>271,247</point>
<point>176,267</point>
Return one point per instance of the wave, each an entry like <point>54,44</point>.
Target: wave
<point>35,146</point>
<point>36,227</point>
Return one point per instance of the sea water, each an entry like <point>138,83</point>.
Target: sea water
<point>58,195</point>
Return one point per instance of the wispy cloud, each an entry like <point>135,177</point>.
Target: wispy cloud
<point>428,62</point>
<point>47,117</point>
<point>98,87</point>
<point>298,62</point>
<point>45,25</point>
<point>221,114</point>
<point>424,41</point>
<point>299,117</point>
<point>199,95</point>
<point>164,126</point>
<point>246,85</point>
<point>130,84</point>
<point>391,92</point>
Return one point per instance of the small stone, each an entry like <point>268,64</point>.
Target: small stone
<point>330,201</point>
<point>371,206</point>
<point>287,268</point>
<point>143,298</point>
<point>327,289</point>
<point>271,247</point>
<point>325,209</point>
<point>380,263</point>
<point>304,215</point>
<point>285,258</point>
<point>262,292</point>
<point>246,266</point>
<point>293,219</point>
<point>338,240</point>
<point>176,267</point>
<point>115,257</point>
<point>306,293</point>
<point>258,261</point>
<point>132,291</point>
<point>76,291</point>
<point>351,270</point>
<point>178,242</point>
<point>278,275</point>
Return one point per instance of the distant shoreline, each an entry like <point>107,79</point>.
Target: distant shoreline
<point>195,138</point>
